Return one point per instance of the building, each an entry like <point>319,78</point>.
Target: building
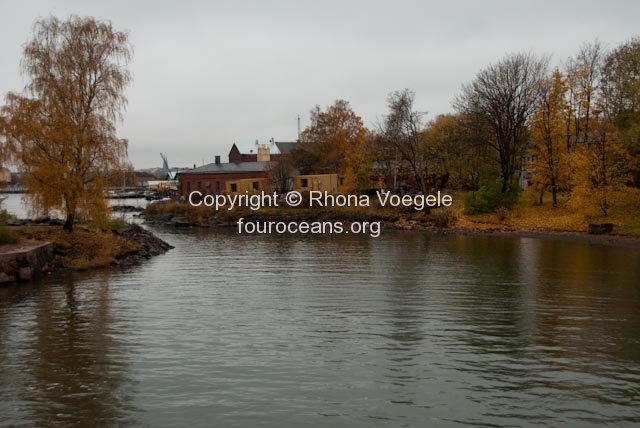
<point>249,185</point>
<point>528,164</point>
<point>213,178</point>
<point>330,183</point>
<point>163,185</point>
<point>259,152</point>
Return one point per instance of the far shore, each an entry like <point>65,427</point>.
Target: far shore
<point>625,241</point>
<point>439,221</point>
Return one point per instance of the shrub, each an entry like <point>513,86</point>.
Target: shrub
<point>8,236</point>
<point>488,199</point>
<point>502,213</point>
<point>5,216</point>
<point>443,218</point>
<point>117,224</point>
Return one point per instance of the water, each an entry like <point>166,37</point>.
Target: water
<point>409,329</point>
<point>17,205</point>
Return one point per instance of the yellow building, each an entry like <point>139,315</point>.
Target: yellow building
<point>330,183</point>
<point>248,185</point>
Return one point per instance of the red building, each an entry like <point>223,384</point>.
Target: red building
<point>212,178</point>
<point>259,152</point>
<point>247,160</point>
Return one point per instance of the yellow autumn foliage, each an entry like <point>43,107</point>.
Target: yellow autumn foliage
<point>61,131</point>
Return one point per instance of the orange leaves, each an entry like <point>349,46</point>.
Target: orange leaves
<point>62,131</point>
<point>336,142</point>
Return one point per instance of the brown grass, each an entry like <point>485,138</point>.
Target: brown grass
<point>196,215</point>
<point>624,214</point>
<point>85,248</point>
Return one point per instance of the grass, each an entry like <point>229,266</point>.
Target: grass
<point>196,215</point>
<point>116,224</point>
<point>5,216</point>
<point>85,248</point>
<point>525,215</point>
<point>8,236</point>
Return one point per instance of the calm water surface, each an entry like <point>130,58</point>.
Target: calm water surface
<point>16,204</point>
<point>408,329</point>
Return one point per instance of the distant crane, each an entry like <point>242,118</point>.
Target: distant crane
<point>165,166</point>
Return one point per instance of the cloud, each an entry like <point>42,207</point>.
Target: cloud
<point>211,73</point>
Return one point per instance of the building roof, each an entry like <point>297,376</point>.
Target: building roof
<point>228,167</point>
<point>275,147</point>
<point>285,147</point>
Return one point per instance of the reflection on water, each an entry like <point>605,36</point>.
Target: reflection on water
<point>61,362</point>
<point>408,329</point>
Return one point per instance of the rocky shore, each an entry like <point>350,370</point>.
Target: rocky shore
<point>25,261</point>
<point>44,249</point>
<point>149,244</point>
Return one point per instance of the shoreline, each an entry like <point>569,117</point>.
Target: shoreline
<point>180,215</point>
<point>84,249</point>
<point>612,240</point>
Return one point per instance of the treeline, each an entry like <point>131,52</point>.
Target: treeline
<point>574,130</point>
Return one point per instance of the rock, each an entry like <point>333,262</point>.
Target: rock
<point>150,245</point>
<point>42,219</point>
<point>180,222</point>
<point>9,266</point>
<point>160,218</point>
<point>600,228</point>
<point>25,274</point>
<point>25,261</point>
<point>126,208</point>
<point>4,278</point>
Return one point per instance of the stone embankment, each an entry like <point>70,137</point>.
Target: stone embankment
<point>25,261</point>
<point>46,249</point>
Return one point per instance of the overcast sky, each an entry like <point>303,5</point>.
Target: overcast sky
<point>208,73</point>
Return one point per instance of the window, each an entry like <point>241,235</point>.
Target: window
<point>234,187</point>
<point>304,182</point>
<point>217,187</point>
<point>255,185</point>
<point>199,185</point>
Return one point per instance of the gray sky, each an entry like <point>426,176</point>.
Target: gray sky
<point>208,73</point>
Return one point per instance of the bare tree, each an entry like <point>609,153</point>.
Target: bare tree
<point>503,96</point>
<point>584,72</point>
<point>280,173</point>
<point>387,162</point>
<point>403,128</point>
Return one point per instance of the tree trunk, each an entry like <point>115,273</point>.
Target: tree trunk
<point>68,224</point>
<point>505,184</point>
<point>541,200</point>
<point>70,208</point>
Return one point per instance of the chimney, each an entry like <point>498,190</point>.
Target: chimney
<point>217,160</point>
